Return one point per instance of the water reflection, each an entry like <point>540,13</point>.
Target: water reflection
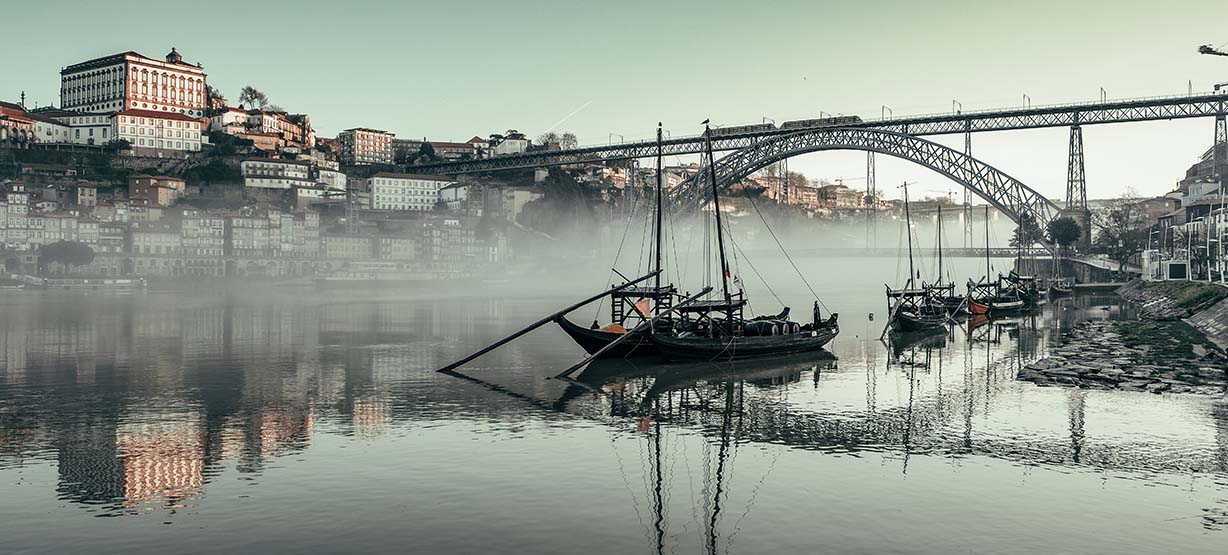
<point>142,402</point>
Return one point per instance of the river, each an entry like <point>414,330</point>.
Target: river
<point>304,421</point>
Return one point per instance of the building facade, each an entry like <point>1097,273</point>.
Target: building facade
<point>403,191</point>
<point>362,146</point>
<point>130,81</point>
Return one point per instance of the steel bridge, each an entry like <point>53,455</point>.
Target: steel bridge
<point>1063,115</point>
<point>1003,192</point>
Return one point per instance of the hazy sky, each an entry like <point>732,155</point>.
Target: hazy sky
<point>451,70</point>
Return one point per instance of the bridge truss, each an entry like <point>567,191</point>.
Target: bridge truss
<point>1004,192</point>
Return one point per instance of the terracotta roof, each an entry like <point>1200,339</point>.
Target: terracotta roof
<point>157,114</point>
<point>12,106</point>
<point>279,161</point>
<point>423,177</point>
<point>477,139</point>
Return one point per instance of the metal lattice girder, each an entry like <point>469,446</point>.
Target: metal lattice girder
<point>1076,183</point>
<point>967,122</point>
<point>1219,151</point>
<point>1004,192</point>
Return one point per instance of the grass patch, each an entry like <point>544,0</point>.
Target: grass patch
<point>1189,294</point>
<point>1165,341</point>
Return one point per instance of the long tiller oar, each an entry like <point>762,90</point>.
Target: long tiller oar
<point>545,321</point>
<point>646,324</point>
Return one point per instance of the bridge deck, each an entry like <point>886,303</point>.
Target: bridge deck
<point>1062,115</point>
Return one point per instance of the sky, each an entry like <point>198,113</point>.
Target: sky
<point>611,70</point>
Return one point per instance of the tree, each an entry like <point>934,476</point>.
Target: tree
<point>1063,232</point>
<point>1027,232</point>
<point>251,97</point>
<point>548,138</point>
<point>568,141</point>
<point>68,253</point>
<point>1121,230</point>
<point>212,93</point>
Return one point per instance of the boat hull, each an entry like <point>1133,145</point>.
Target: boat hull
<point>908,322</point>
<point>737,348</point>
<point>594,340</point>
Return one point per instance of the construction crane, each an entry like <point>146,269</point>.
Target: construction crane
<point>1214,51</point>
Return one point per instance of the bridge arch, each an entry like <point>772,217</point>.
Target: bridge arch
<point>1002,191</point>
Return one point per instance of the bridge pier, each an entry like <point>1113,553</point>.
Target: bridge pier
<point>1220,152</point>
<point>1076,189</point>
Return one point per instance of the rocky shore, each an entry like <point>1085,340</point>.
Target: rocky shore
<point>1133,356</point>
<point>1160,353</point>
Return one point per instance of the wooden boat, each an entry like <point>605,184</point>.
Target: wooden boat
<point>915,309</point>
<point>717,329</point>
<point>632,306</point>
<point>1061,287</point>
<point>593,339</point>
<point>687,346</point>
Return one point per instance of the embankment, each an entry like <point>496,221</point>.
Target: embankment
<point>1176,346</point>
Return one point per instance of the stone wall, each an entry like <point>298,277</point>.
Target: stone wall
<point>1213,321</point>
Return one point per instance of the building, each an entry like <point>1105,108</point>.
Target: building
<point>513,142</point>
<point>403,191</point>
<point>270,130</point>
<point>16,126</point>
<point>148,129</point>
<point>148,191</point>
<point>363,146</point>
<point>130,81</point>
<point>347,247</point>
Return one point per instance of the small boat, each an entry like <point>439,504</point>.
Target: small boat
<point>1061,287</point>
<point>915,309</point>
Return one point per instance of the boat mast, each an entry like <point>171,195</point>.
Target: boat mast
<point>658,222</point>
<point>986,243</point>
<point>716,209</point>
<point>941,276</point>
<point>908,224</point>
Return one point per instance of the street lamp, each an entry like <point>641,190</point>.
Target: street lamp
<point>883,113</point>
<point>620,137</point>
<point>1027,101</point>
<point>956,106</point>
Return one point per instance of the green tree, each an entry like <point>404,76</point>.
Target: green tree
<point>427,150</point>
<point>1063,232</point>
<point>68,253</point>
<point>1027,232</point>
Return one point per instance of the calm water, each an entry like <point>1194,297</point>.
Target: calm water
<point>298,421</point>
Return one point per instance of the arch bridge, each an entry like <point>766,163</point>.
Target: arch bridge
<point>1002,191</point>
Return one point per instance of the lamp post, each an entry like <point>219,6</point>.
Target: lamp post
<point>1027,101</point>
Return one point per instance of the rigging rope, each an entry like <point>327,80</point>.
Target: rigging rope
<point>738,248</point>
<point>787,257</point>
<point>617,255</point>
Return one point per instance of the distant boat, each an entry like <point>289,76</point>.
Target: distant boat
<point>913,309</point>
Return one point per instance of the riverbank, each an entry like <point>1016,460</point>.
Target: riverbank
<point>1175,346</point>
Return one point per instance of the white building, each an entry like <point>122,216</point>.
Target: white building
<point>361,146</point>
<point>130,81</point>
<point>403,191</point>
<point>512,143</point>
<point>269,173</point>
<point>160,130</point>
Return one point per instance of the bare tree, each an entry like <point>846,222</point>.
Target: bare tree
<point>253,98</point>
